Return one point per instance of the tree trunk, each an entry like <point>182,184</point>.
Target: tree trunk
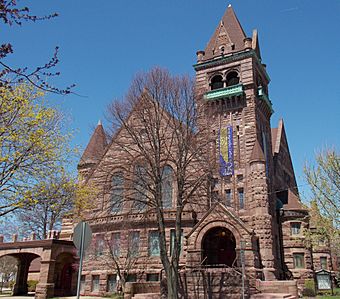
<point>172,282</point>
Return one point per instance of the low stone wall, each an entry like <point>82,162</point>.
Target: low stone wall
<point>132,288</point>
<point>278,286</point>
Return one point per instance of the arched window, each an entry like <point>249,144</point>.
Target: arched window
<point>232,78</point>
<point>167,186</point>
<point>216,82</point>
<point>140,188</point>
<point>117,194</point>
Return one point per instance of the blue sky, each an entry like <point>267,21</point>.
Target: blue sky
<point>104,43</point>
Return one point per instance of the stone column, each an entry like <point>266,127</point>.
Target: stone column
<point>262,220</point>
<point>45,287</point>
<point>20,287</point>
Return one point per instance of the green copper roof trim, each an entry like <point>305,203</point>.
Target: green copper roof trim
<point>264,97</point>
<point>226,92</point>
<point>229,58</point>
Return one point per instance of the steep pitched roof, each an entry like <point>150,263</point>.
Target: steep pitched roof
<point>257,154</point>
<point>294,202</point>
<point>277,134</point>
<point>229,34</point>
<point>96,146</point>
<point>274,134</point>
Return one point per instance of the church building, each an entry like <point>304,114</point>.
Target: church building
<point>253,219</point>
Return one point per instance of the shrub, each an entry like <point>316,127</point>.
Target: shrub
<point>32,284</point>
<point>308,292</point>
<point>309,284</point>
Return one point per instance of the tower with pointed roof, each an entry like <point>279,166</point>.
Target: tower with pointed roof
<point>93,151</point>
<point>231,84</point>
<point>252,212</point>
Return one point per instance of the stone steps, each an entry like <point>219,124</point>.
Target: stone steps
<point>147,296</point>
<point>273,296</point>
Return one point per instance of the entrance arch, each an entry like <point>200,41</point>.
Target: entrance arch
<point>219,247</point>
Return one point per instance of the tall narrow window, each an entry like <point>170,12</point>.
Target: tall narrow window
<point>299,260</point>
<point>140,188</point>
<point>134,239</point>
<point>154,243</point>
<point>111,283</point>
<point>117,192</point>
<point>99,246</point>
<point>228,197</point>
<point>241,198</point>
<point>115,243</point>
<point>323,262</point>
<point>172,241</point>
<point>95,283</point>
<point>167,185</point>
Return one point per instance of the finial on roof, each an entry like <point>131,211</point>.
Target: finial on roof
<point>229,5</point>
<point>99,123</point>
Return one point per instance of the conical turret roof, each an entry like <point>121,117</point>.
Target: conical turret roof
<point>96,146</point>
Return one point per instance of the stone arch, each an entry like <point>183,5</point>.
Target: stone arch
<point>212,224</point>
<point>24,260</point>
<point>65,274</point>
<point>219,248</point>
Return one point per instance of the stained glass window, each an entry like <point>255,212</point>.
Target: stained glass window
<point>134,239</point>
<point>241,198</point>
<point>117,192</point>
<point>154,243</point>
<point>99,249</point>
<point>172,241</point>
<point>167,185</point>
<point>115,243</point>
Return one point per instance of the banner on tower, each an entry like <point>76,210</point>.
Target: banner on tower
<point>226,150</point>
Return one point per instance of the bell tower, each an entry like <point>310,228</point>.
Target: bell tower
<point>232,95</point>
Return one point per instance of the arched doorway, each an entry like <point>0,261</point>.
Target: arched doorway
<point>218,247</point>
<point>64,275</point>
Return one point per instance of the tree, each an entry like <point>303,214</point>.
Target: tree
<point>157,124</point>
<point>32,145</point>
<point>321,231</point>
<point>324,181</point>
<point>8,269</point>
<point>54,196</point>
<point>11,14</point>
<point>119,252</point>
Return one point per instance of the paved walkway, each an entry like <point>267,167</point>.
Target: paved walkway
<point>5,296</point>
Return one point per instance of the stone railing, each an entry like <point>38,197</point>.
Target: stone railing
<point>52,234</point>
<point>226,92</point>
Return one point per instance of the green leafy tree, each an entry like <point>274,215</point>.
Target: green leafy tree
<point>324,180</point>
<point>8,268</point>
<point>32,145</point>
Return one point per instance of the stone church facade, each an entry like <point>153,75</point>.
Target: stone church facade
<point>254,216</point>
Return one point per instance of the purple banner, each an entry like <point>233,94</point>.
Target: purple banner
<point>226,150</point>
